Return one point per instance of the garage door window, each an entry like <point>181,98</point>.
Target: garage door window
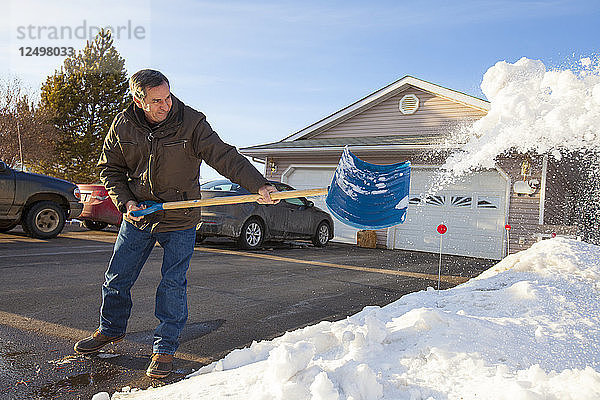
<point>461,201</point>
<point>414,200</point>
<point>488,202</point>
<point>435,200</point>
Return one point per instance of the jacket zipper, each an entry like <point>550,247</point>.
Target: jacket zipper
<point>150,160</point>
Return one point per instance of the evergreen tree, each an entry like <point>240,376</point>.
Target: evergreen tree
<point>82,99</point>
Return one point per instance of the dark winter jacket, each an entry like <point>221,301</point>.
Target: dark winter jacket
<point>162,163</point>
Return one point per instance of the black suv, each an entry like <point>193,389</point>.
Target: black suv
<point>41,204</point>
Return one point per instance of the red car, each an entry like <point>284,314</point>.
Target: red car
<point>98,209</point>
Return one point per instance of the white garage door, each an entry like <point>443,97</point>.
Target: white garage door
<point>472,209</point>
<point>317,177</point>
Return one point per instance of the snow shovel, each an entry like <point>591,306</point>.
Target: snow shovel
<point>362,195</point>
<point>369,196</point>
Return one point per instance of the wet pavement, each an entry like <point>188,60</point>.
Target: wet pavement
<point>36,366</point>
<point>51,295</point>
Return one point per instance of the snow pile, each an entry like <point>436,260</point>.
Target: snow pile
<point>533,109</point>
<point>528,328</point>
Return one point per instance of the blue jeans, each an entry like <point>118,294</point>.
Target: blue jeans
<point>132,248</point>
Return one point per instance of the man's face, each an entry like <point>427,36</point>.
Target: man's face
<point>157,103</point>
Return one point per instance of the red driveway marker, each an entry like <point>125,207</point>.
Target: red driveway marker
<point>441,228</point>
<point>508,228</point>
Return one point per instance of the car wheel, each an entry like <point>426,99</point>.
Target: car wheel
<point>44,220</point>
<point>321,237</point>
<point>5,227</point>
<point>253,234</point>
<point>94,225</point>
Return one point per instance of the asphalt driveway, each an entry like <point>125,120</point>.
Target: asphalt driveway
<point>51,295</point>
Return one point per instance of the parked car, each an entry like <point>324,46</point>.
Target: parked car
<point>40,204</point>
<point>98,209</point>
<point>252,223</point>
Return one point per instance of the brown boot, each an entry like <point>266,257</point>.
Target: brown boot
<point>94,343</point>
<point>160,366</point>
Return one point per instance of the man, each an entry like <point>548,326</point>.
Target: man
<point>153,152</point>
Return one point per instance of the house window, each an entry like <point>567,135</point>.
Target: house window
<point>488,202</point>
<point>435,200</point>
<point>461,201</point>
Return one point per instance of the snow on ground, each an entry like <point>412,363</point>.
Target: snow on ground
<point>528,328</point>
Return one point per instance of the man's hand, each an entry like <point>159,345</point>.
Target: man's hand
<point>132,205</point>
<point>264,192</point>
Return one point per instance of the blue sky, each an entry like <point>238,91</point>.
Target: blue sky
<point>262,70</point>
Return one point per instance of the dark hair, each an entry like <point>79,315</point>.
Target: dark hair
<point>144,79</point>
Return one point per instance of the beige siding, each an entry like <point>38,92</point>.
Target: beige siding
<point>280,167</point>
<point>524,211</point>
<point>435,117</point>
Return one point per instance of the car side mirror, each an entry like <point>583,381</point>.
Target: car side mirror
<point>3,167</point>
<point>309,204</point>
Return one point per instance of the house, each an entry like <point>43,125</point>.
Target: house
<point>412,119</point>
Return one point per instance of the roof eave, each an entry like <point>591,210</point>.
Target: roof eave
<point>338,149</point>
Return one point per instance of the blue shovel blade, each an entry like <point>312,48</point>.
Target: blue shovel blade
<point>369,196</point>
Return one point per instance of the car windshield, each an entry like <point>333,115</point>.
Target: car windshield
<point>222,184</point>
<point>281,186</point>
<point>228,186</point>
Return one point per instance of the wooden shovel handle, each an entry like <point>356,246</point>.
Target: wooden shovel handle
<point>249,198</point>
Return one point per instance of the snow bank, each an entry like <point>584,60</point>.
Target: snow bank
<point>528,328</point>
<point>533,110</point>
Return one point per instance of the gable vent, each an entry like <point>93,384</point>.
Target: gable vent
<point>409,104</point>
